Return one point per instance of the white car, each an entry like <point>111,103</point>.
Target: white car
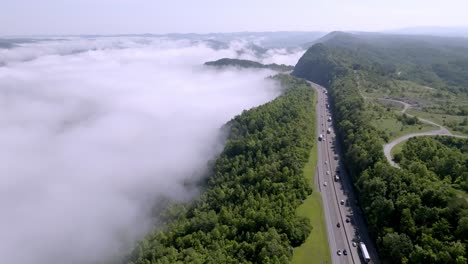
<point>328,172</point>
<point>324,183</point>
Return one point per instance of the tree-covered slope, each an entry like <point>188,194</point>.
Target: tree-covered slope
<point>434,61</point>
<point>445,157</point>
<point>247,212</point>
<point>225,62</point>
<point>413,214</point>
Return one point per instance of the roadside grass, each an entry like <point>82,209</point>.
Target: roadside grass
<point>415,93</point>
<point>390,104</point>
<point>441,119</point>
<point>315,249</point>
<point>396,129</point>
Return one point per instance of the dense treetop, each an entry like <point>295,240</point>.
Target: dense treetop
<point>445,157</point>
<point>249,64</point>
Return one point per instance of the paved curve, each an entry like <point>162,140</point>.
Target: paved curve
<point>442,131</point>
<point>334,191</point>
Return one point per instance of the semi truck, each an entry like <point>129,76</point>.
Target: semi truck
<point>364,252</point>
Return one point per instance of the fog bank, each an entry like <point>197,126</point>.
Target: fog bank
<point>93,130</point>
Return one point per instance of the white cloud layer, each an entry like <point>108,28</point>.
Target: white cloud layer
<point>92,131</point>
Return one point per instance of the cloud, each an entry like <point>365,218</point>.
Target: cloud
<point>91,139</point>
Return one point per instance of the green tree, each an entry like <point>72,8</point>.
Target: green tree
<point>396,246</point>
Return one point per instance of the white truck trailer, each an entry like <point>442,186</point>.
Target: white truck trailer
<point>364,252</point>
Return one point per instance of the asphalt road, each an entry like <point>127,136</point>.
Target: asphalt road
<point>442,131</point>
<point>333,192</point>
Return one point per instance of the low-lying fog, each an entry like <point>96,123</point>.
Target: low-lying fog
<point>93,130</point>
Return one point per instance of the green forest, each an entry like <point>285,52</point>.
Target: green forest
<point>445,158</point>
<point>225,62</point>
<point>413,214</point>
<point>247,210</point>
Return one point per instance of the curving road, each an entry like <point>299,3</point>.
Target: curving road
<point>442,131</point>
<point>333,192</point>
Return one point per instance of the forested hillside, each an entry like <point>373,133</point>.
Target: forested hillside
<point>247,212</point>
<point>413,216</point>
<point>429,72</point>
<point>224,62</point>
<point>434,61</point>
<point>444,157</point>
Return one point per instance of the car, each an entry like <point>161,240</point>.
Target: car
<point>324,183</point>
<point>326,162</point>
<point>347,220</point>
<point>342,202</point>
<point>338,252</point>
<point>354,244</point>
<point>328,172</point>
<point>345,252</point>
<point>338,225</point>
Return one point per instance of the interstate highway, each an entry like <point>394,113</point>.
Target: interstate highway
<point>340,238</point>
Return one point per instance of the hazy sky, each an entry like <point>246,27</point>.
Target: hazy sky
<point>25,17</point>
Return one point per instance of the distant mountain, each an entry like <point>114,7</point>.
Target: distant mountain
<point>433,31</point>
<point>226,62</point>
<point>280,39</point>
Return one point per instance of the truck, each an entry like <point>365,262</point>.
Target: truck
<point>364,252</point>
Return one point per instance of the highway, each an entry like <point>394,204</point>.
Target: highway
<point>334,191</point>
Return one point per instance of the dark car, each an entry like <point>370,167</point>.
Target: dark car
<point>345,252</point>
<point>347,220</point>
<point>338,225</point>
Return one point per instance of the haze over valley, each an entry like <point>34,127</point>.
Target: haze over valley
<point>95,129</point>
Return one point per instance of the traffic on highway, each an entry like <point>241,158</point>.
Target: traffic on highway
<point>347,233</point>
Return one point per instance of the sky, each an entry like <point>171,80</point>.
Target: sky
<point>55,17</point>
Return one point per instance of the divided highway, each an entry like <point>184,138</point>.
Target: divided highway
<point>345,224</point>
